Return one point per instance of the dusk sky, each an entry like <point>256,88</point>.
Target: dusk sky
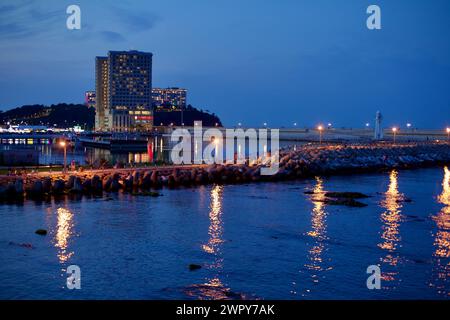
<point>249,61</point>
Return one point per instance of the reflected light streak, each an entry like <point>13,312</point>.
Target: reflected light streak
<point>215,227</point>
<point>63,234</point>
<point>442,239</point>
<point>318,231</point>
<point>391,219</point>
<point>213,288</point>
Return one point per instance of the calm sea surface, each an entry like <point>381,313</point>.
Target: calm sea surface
<point>261,241</point>
<point>48,152</point>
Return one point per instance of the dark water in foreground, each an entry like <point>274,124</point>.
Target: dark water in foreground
<point>264,241</point>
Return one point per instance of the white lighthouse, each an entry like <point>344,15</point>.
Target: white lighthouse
<point>378,128</point>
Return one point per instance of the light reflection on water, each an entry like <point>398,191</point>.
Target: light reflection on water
<point>332,262</point>
<point>316,263</point>
<point>213,288</point>
<point>48,152</point>
<point>64,232</point>
<point>441,256</point>
<point>390,236</point>
<point>215,227</point>
<point>318,228</point>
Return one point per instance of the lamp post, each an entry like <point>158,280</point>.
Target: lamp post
<point>320,128</point>
<point>64,145</point>
<point>394,130</point>
<point>448,134</point>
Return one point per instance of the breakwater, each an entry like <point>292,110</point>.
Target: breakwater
<point>295,163</point>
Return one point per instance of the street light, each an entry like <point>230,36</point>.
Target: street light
<point>320,128</point>
<point>448,134</point>
<point>64,145</point>
<point>394,130</point>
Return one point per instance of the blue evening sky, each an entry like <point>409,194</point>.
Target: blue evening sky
<point>249,61</point>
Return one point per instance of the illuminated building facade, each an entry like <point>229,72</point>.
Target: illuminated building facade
<point>169,99</point>
<point>101,89</point>
<point>126,101</point>
<point>89,99</point>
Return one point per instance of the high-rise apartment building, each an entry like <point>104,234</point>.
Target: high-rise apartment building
<point>167,99</point>
<point>124,86</point>
<point>101,90</point>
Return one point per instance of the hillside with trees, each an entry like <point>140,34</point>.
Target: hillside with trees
<point>58,115</point>
<point>64,115</point>
<point>187,116</point>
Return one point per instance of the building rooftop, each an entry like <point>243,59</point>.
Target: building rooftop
<point>131,52</point>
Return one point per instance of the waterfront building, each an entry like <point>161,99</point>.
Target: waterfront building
<point>101,89</point>
<point>169,99</point>
<point>89,99</point>
<point>124,86</point>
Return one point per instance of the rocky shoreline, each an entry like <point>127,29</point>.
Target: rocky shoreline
<point>295,163</point>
